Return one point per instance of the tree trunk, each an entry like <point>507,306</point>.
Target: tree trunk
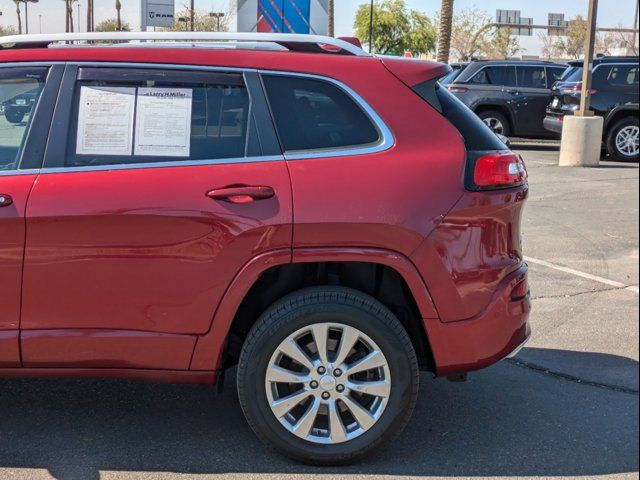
<point>444,34</point>
<point>331,26</point>
<point>19,18</point>
<point>118,17</point>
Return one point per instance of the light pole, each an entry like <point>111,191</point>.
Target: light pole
<point>581,141</point>
<point>26,13</point>
<point>40,23</point>
<point>218,16</point>
<point>192,14</point>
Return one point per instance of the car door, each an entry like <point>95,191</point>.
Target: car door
<point>530,99</point>
<point>159,184</point>
<point>23,127</point>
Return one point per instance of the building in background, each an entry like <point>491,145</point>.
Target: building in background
<point>283,16</point>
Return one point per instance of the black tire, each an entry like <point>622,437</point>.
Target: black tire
<point>612,134</point>
<point>488,114</point>
<point>13,116</point>
<point>335,305</point>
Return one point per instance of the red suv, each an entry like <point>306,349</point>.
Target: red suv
<point>329,221</point>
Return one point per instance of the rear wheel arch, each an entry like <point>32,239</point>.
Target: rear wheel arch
<point>618,114</point>
<point>382,282</point>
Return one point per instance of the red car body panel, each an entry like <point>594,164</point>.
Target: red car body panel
<point>12,234</point>
<point>120,259</point>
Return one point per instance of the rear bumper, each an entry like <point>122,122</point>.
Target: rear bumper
<point>496,333</point>
<point>553,123</point>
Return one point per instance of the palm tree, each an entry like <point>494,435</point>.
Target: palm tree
<point>118,17</point>
<point>17,2</point>
<point>444,34</point>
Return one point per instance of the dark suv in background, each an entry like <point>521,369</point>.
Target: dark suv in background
<point>509,96</point>
<point>614,96</point>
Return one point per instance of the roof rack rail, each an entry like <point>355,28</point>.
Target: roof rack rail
<point>293,42</point>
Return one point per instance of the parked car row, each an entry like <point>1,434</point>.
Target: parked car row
<point>531,98</point>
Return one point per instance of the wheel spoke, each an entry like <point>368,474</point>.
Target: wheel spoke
<point>347,341</point>
<point>377,389</point>
<point>337,432</point>
<point>283,406</point>
<point>303,427</point>
<point>291,349</point>
<point>278,374</point>
<point>373,360</point>
<point>321,337</point>
<point>362,416</point>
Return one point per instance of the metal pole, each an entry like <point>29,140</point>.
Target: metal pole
<point>79,24</point>
<point>371,28</point>
<point>331,27</point>
<point>587,67</point>
<point>26,16</point>
<point>635,25</point>
<point>193,16</point>
<point>40,22</point>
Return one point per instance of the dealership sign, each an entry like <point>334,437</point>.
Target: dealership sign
<point>157,13</point>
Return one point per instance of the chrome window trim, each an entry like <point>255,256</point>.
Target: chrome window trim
<point>386,141</point>
<point>12,173</point>
<point>170,164</point>
<point>17,171</point>
<point>386,138</point>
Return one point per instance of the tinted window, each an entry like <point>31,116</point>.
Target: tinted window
<point>554,74</point>
<point>502,76</point>
<point>118,121</point>
<point>476,135</point>
<point>19,93</point>
<point>574,76</point>
<point>624,75</point>
<point>316,115</point>
<point>532,77</point>
<point>568,72</point>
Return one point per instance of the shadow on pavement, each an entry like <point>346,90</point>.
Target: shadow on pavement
<point>505,421</point>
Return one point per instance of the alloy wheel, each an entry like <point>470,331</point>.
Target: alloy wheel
<point>494,124</point>
<point>328,383</point>
<point>627,140</point>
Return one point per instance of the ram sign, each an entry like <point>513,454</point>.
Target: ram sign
<point>283,16</point>
<point>157,13</point>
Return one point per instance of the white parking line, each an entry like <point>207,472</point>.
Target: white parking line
<point>578,273</point>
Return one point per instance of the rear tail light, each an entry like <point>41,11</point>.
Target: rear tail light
<point>578,88</point>
<point>499,170</point>
<point>520,291</point>
<point>455,89</point>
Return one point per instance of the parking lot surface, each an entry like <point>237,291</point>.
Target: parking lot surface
<point>566,407</point>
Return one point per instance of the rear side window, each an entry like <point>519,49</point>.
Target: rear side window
<point>129,117</point>
<point>554,74</point>
<point>312,114</point>
<point>532,77</point>
<point>476,135</point>
<point>495,75</point>
<point>624,75</point>
<point>20,90</point>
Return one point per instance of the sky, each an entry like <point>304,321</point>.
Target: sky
<point>49,14</point>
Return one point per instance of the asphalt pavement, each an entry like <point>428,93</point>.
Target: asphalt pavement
<point>566,407</point>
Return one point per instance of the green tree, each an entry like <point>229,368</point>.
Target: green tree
<point>503,45</point>
<point>203,22</point>
<point>573,44</point>
<point>111,25</point>
<point>395,28</point>
<point>471,33</point>
<point>9,30</point>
